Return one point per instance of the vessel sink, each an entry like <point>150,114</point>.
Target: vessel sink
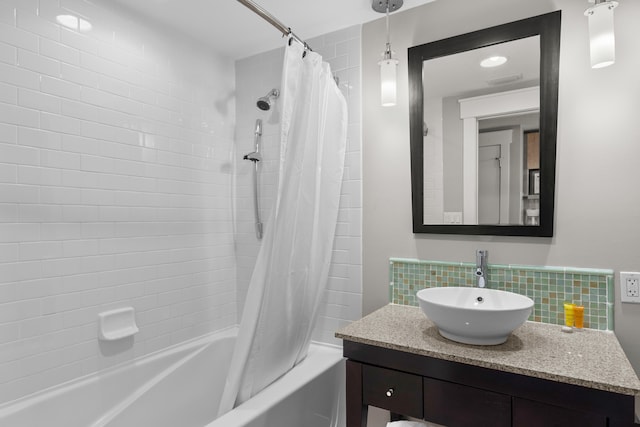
<point>476,316</point>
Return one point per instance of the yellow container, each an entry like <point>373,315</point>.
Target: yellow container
<point>578,316</point>
<point>568,314</point>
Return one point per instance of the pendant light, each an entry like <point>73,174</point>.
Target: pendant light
<point>388,65</point>
<point>601,35</point>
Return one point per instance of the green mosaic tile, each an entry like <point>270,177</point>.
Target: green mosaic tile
<point>548,286</point>
<point>609,316</point>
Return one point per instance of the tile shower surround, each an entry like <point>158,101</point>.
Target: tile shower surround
<point>115,189</point>
<point>116,177</point>
<point>548,287</point>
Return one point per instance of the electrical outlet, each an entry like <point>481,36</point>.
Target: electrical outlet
<point>453,217</point>
<point>630,287</point>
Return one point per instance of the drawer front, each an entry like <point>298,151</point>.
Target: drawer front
<point>456,405</point>
<point>527,413</point>
<point>395,391</point>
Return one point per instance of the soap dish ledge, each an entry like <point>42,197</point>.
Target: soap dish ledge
<point>117,324</point>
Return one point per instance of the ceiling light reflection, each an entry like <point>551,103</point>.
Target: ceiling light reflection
<point>75,23</point>
<point>493,61</point>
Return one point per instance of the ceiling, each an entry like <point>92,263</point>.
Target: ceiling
<point>232,30</point>
<point>461,74</point>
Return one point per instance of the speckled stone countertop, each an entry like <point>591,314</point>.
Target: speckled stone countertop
<point>588,358</point>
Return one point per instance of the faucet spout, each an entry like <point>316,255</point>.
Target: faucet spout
<point>481,268</point>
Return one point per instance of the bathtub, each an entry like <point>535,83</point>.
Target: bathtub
<point>181,387</point>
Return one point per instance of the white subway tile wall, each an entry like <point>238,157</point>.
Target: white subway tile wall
<point>255,77</point>
<point>115,189</point>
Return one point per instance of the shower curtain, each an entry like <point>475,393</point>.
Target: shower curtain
<point>292,266</point>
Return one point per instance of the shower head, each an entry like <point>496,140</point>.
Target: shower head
<point>264,103</point>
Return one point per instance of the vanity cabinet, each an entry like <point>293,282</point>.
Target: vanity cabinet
<point>458,395</point>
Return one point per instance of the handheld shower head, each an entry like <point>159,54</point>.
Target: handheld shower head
<point>253,156</point>
<point>264,103</point>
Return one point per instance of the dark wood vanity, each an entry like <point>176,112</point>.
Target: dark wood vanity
<point>444,386</point>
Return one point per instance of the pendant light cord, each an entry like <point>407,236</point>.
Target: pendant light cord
<point>388,32</point>
<point>387,53</point>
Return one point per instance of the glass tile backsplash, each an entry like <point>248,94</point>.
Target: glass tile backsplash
<point>548,287</point>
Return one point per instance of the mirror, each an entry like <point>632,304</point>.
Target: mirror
<point>483,139</point>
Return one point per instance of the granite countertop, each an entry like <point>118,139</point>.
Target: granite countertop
<point>588,358</point>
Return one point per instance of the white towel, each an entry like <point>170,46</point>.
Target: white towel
<point>405,424</point>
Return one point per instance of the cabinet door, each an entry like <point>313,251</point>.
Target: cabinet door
<point>398,392</point>
<point>527,413</point>
<point>456,405</point>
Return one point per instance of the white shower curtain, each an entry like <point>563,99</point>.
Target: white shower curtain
<point>292,267</point>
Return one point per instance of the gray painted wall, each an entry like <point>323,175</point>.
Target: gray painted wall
<point>597,194</point>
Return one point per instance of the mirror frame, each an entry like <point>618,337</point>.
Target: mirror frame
<point>547,26</point>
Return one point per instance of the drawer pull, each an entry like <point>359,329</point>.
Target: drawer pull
<point>390,392</point>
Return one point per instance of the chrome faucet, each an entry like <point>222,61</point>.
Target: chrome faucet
<point>481,268</point>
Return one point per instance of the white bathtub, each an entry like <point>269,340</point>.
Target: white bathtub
<point>181,387</point>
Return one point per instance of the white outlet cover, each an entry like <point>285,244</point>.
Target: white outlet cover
<point>626,276</point>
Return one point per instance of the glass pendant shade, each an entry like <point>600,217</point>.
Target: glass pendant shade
<point>601,35</point>
<point>388,65</point>
<point>388,81</point>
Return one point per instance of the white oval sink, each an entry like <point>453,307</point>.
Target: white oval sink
<point>476,316</point>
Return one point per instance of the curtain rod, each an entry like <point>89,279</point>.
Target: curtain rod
<point>286,31</point>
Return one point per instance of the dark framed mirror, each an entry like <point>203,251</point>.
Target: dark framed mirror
<point>483,137</point>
